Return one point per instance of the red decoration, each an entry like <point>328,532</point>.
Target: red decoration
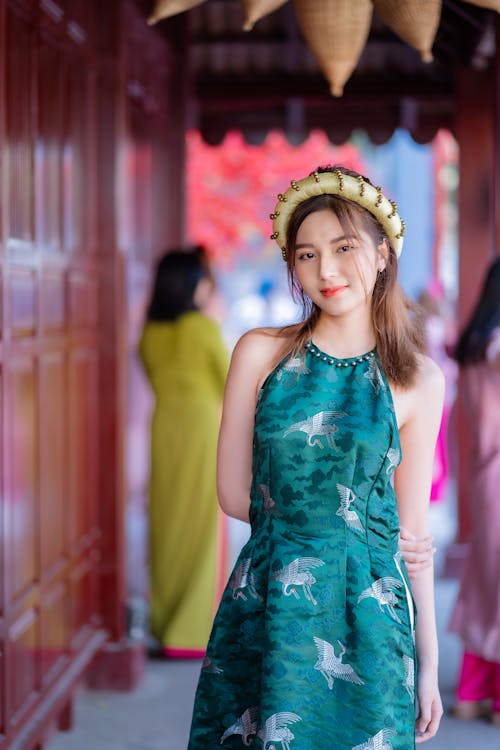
<point>232,188</point>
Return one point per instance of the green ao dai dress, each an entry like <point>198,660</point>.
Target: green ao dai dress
<point>312,647</point>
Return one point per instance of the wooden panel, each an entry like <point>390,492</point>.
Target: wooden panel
<point>82,389</point>
<point>82,291</point>
<point>53,302</point>
<point>24,663</point>
<point>83,598</point>
<point>78,428</point>
<point>106,29</point>
<point>19,126</point>
<point>21,498</point>
<point>53,487</point>
<point>54,631</point>
<point>3,536</point>
<point>139,168</point>
<point>75,155</point>
<point>48,154</point>
<point>80,13</point>
<point>22,297</point>
<point>3,692</point>
<point>52,14</point>
<point>3,566</point>
<point>106,161</point>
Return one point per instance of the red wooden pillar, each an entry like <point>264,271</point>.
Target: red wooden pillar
<point>120,663</point>
<point>141,210</point>
<point>478,134</point>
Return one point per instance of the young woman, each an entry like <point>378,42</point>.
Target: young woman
<point>316,644</point>
<point>476,617</point>
<point>186,363</point>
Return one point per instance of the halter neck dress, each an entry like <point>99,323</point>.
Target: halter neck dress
<point>312,647</point>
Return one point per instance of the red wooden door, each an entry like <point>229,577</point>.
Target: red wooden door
<point>66,120</point>
<point>51,535</point>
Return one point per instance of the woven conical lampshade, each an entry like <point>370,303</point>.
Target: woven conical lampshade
<point>254,10</point>
<point>336,32</point>
<point>167,8</point>
<point>415,21</point>
<point>490,4</point>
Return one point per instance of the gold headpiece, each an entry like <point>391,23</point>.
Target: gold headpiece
<point>356,189</point>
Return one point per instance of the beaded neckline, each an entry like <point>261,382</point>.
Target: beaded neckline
<point>346,362</point>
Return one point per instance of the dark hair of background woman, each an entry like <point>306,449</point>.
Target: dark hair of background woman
<point>474,339</point>
<point>177,275</point>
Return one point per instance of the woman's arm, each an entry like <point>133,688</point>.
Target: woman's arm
<point>250,363</point>
<point>412,483</point>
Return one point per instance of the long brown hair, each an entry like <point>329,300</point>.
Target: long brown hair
<point>396,321</point>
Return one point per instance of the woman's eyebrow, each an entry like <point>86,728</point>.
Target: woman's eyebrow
<point>311,244</point>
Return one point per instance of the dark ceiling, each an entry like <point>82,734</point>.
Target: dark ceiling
<point>267,78</point>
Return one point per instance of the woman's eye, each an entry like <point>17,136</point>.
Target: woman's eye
<point>344,248</point>
<point>306,256</point>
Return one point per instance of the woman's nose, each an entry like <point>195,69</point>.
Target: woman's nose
<point>327,266</point>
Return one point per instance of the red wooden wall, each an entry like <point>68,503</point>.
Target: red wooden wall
<point>91,158</point>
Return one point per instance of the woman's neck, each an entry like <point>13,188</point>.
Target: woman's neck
<point>344,336</point>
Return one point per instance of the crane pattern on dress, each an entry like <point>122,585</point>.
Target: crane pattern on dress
<point>276,728</point>
<point>374,376</point>
<point>209,667</point>
<point>379,741</point>
<point>243,578</point>
<point>331,666</point>
<point>294,366</point>
<point>347,497</point>
<point>276,731</point>
<point>246,726</point>
<point>409,678</point>
<point>382,590</point>
<point>393,457</point>
<point>319,425</point>
<point>296,574</point>
<point>267,501</point>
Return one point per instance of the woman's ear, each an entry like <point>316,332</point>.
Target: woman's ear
<point>383,254</point>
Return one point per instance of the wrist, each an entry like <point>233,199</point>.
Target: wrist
<point>429,669</point>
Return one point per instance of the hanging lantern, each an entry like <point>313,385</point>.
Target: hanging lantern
<point>167,8</point>
<point>336,32</point>
<point>414,21</point>
<point>490,4</point>
<point>254,10</point>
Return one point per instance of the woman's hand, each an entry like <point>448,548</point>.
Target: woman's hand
<point>430,706</point>
<point>417,553</point>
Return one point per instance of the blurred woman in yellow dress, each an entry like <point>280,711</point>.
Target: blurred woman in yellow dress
<point>186,362</point>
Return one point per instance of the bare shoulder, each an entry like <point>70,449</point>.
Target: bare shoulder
<point>427,392</point>
<point>430,377</point>
<point>258,351</point>
<point>426,395</point>
<point>259,344</point>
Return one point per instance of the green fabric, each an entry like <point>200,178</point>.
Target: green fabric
<point>186,363</point>
<point>313,645</point>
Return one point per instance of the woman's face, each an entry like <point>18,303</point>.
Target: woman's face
<point>203,293</point>
<point>337,272</point>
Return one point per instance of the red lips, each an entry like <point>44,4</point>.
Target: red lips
<point>332,291</point>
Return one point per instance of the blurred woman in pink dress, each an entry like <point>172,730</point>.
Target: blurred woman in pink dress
<point>476,617</point>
